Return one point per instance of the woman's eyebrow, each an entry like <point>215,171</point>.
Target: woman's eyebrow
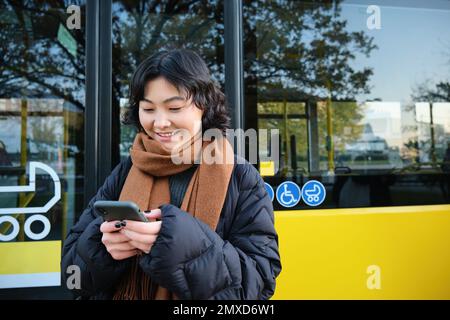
<point>167,100</point>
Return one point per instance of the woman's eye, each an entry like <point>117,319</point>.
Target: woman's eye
<point>175,109</point>
<point>148,110</point>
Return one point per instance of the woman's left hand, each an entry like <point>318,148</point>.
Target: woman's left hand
<point>142,235</point>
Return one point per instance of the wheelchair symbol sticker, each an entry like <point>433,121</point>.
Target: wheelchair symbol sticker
<point>288,194</point>
<point>269,190</point>
<point>313,193</point>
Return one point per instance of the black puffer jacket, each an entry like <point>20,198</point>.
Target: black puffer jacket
<point>239,260</point>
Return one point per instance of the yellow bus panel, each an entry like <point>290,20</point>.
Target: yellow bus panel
<point>364,253</point>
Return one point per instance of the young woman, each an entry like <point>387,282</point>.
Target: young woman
<point>211,234</point>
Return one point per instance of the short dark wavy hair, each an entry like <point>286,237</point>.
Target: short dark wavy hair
<point>187,72</point>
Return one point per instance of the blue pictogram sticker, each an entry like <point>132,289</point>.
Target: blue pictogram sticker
<point>313,193</point>
<point>269,190</point>
<point>288,194</point>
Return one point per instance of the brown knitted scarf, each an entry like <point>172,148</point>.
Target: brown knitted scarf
<point>147,185</point>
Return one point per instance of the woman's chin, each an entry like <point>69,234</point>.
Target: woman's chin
<point>167,144</point>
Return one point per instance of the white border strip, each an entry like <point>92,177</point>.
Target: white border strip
<point>28,280</point>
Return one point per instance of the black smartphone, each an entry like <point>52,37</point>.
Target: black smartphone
<point>119,210</point>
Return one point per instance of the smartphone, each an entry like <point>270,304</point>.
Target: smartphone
<point>119,210</point>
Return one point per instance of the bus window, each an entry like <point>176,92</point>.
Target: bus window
<point>362,102</point>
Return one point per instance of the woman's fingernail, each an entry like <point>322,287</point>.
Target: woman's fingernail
<point>123,223</point>
<point>118,225</point>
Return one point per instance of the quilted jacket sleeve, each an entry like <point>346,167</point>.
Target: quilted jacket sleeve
<point>83,247</point>
<point>194,262</point>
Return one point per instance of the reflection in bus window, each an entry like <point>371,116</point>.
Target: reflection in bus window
<point>364,110</point>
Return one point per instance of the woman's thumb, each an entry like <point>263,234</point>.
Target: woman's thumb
<point>153,214</point>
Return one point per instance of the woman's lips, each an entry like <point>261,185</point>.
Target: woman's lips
<point>166,136</point>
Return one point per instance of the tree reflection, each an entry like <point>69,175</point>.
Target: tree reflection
<point>434,142</point>
<point>35,63</point>
<point>304,47</point>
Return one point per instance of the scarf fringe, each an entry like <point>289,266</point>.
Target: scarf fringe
<point>137,285</point>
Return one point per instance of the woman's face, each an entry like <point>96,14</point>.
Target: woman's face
<point>166,115</point>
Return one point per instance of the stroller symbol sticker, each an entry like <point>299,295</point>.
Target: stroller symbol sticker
<point>313,193</point>
<point>288,194</point>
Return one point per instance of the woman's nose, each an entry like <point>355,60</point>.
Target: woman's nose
<point>161,121</point>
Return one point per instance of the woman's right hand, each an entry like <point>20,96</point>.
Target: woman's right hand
<point>117,244</point>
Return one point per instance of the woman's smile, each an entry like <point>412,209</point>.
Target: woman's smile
<point>165,136</point>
